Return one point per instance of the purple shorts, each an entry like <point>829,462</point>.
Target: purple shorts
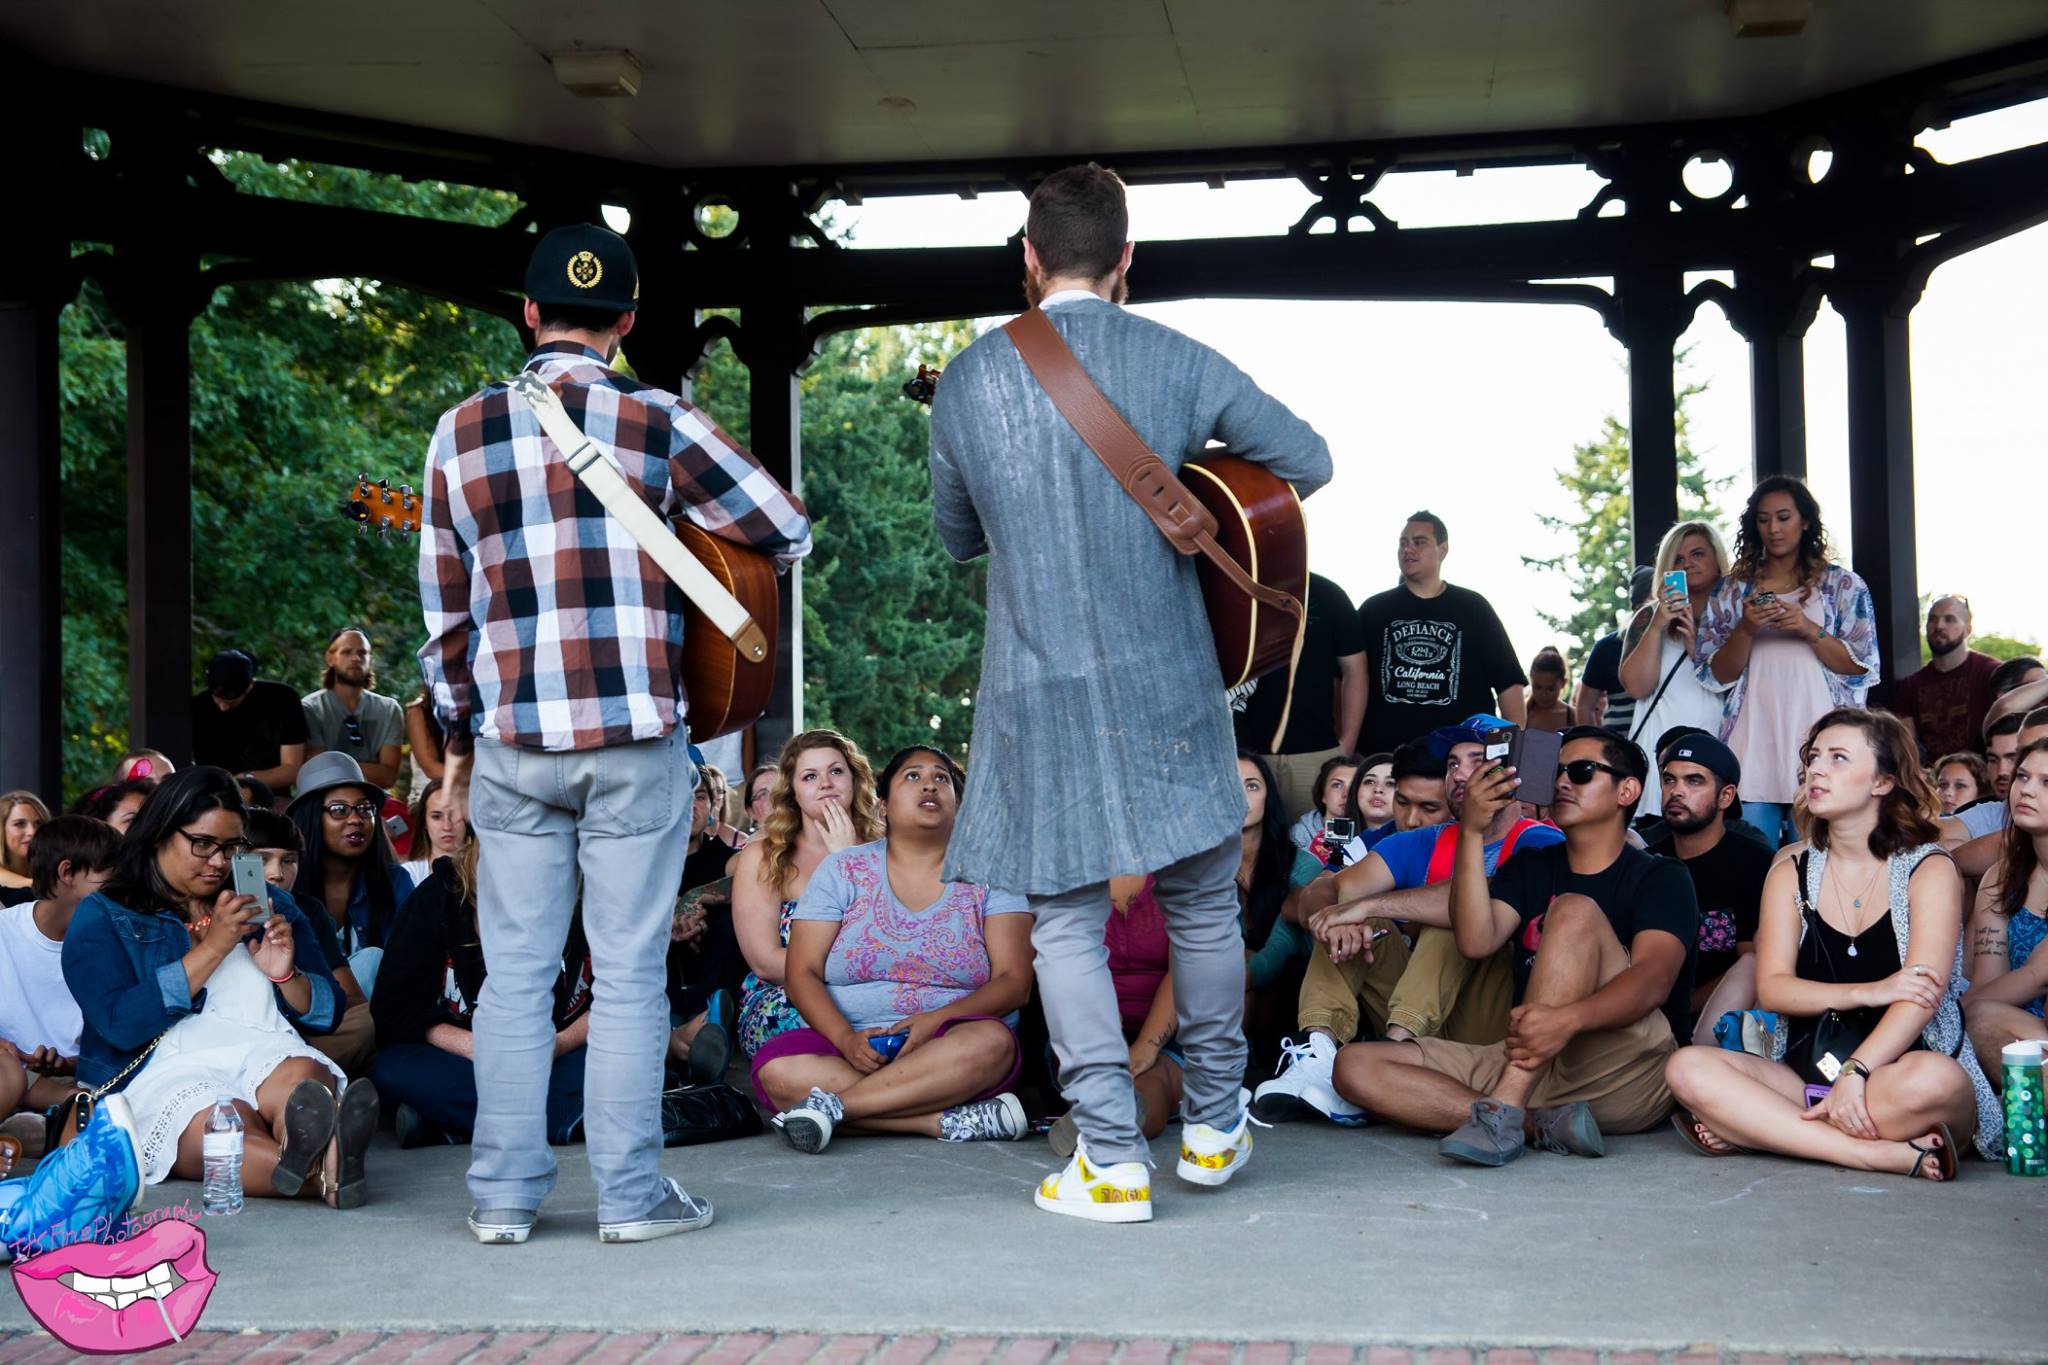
<point>808,1042</point>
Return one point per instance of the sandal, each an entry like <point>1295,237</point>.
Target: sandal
<point>308,1125</point>
<point>1945,1162</point>
<point>1689,1128</point>
<point>342,1182</point>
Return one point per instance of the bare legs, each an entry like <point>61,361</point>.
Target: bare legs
<point>1992,1027</point>
<point>262,1129</point>
<point>1736,990</point>
<point>1753,1103</point>
<point>1579,955</point>
<point>907,1095</point>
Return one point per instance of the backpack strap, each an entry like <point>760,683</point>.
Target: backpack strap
<point>1444,855</point>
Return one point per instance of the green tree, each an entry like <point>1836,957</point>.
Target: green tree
<point>298,387</point>
<point>295,389</point>
<point>892,626</point>
<point>1598,566</point>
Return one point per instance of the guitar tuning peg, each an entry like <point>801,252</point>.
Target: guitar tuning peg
<point>384,484</point>
<point>405,489</point>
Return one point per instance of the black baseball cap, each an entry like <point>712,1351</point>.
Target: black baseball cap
<point>1707,751</point>
<point>584,266</point>
<point>229,674</point>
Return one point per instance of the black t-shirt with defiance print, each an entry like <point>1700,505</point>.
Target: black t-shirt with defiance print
<point>1432,661</point>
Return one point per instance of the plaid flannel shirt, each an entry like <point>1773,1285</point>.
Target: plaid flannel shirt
<point>547,628</point>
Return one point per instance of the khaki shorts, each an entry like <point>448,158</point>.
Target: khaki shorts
<point>1619,1073</point>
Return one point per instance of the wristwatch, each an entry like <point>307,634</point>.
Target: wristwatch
<point>1861,1070</point>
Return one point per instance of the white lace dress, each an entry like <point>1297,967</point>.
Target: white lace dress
<point>229,1048</point>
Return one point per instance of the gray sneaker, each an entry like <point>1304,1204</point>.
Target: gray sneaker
<point>501,1227</point>
<point>677,1212</point>
<point>998,1120</point>
<point>1491,1137</point>
<point>808,1127</point>
<point>1569,1129</point>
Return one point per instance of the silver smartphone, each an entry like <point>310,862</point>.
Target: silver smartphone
<point>248,873</point>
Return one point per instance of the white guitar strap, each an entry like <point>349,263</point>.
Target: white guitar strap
<point>655,539</point>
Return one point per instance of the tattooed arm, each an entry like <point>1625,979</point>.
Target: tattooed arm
<point>1985,949</point>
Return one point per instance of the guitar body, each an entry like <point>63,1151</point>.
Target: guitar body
<point>1259,524</point>
<point>725,691</point>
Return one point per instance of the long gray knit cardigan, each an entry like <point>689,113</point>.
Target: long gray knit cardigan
<point>1102,743</point>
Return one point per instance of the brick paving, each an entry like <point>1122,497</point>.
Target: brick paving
<point>756,1348</point>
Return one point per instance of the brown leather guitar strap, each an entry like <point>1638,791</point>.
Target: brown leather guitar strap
<point>1187,524</point>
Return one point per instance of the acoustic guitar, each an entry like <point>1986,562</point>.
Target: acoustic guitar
<point>1261,528</point>
<point>726,689</point>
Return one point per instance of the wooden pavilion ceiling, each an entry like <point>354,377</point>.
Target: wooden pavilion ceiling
<point>762,82</point>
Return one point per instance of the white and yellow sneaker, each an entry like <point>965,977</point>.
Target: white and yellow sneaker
<point>1112,1194</point>
<point>1210,1156</point>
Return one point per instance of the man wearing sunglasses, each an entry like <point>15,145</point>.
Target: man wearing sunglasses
<point>1604,937</point>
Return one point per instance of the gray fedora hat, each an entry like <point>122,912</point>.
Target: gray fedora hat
<point>324,772</point>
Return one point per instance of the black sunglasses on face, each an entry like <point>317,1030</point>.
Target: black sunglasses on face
<point>1581,770</point>
<point>338,811</point>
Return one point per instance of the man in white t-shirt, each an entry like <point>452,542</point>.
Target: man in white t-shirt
<point>39,1020</point>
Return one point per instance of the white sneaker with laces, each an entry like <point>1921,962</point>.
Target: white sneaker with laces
<point>1307,1085</point>
<point>1111,1194</point>
<point>808,1127</point>
<point>1211,1156</point>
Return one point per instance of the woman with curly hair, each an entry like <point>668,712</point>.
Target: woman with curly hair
<point>823,801</point>
<point>1789,636</point>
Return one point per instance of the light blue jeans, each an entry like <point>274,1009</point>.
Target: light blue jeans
<point>619,816</point>
<point>1198,896</point>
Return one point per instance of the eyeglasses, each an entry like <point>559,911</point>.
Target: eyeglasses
<point>1581,770</point>
<point>352,726</point>
<point>206,848</point>
<point>336,810</point>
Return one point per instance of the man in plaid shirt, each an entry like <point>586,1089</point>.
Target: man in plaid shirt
<point>554,660</point>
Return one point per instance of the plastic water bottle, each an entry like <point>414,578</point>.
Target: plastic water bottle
<point>221,1147</point>
<point>2026,1130</point>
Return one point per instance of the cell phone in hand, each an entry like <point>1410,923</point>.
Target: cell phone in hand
<point>1674,583</point>
<point>1533,755</point>
<point>248,874</point>
<point>1815,1094</point>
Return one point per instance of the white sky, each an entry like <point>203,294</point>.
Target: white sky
<point>1468,409</point>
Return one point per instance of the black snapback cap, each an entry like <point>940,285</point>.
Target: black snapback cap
<point>584,266</point>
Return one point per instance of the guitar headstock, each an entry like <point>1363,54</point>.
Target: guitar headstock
<point>921,389</point>
<point>377,506</point>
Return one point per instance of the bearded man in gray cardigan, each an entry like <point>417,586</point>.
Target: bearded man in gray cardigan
<point>1102,741</point>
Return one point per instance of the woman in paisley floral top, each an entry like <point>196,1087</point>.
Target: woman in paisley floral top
<point>823,801</point>
<point>909,984</point>
<point>1788,637</point>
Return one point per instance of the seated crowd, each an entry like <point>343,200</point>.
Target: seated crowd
<point>1739,900</point>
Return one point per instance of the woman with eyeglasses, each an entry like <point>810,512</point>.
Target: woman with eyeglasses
<point>348,867</point>
<point>190,993</point>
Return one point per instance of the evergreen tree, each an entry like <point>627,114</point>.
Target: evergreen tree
<point>1598,566</point>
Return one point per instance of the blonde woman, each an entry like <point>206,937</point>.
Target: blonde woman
<point>25,814</point>
<point>1660,658</point>
<point>823,801</point>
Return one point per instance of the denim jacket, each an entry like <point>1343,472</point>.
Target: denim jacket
<point>126,969</point>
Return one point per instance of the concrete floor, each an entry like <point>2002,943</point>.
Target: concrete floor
<point>1364,1237</point>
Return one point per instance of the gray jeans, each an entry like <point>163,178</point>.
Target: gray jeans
<point>619,816</point>
<point>1198,896</point>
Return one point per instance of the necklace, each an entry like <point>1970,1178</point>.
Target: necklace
<point>1857,903</point>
